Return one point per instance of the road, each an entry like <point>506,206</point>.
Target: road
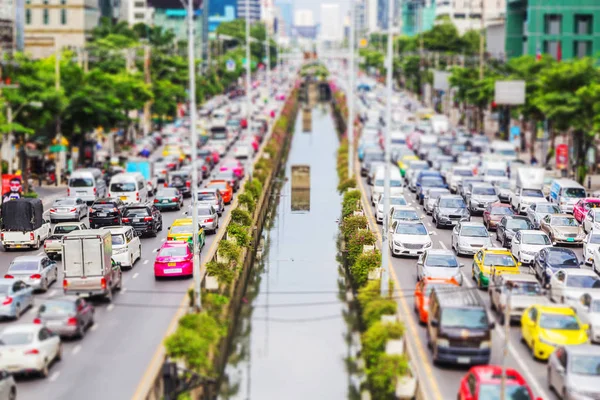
<point>112,358</point>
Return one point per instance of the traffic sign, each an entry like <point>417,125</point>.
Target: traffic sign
<point>230,65</point>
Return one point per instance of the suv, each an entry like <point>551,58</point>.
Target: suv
<point>143,217</point>
<point>459,330</point>
<point>106,212</point>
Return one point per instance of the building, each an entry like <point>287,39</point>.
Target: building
<point>371,16</point>
<point>51,27</point>
<point>304,24</point>
<point>286,17</point>
<point>331,23</point>
<point>171,16</point>
<point>360,18</point>
<point>110,9</point>
<point>383,10</point>
<point>417,16</point>
<point>7,23</point>
<point>466,14</point>
<point>220,11</point>
<point>136,11</point>
<point>563,29</point>
<point>255,10</point>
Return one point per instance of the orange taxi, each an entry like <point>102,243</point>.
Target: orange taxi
<point>224,187</point>
<point>422,292</point>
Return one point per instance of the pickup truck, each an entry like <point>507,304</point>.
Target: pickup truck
<point>23,224</point>
<point>53,245</point>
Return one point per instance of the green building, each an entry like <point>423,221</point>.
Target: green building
<point>175,20</point>
<point>417,16</point>
<point>570,28</point>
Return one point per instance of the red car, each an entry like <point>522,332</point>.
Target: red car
<point>494,213</point>
<point>483,383</point>
<point>582,207</point>
<point>175,258</point>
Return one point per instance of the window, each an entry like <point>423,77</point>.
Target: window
<point>551,47</point>
<point>582,48</point>
<point>583,24</point>
<point>28,16</point>
<point>138,15</point>
<point>459,16</point>
<point>46,16</point>
<point>552,24</point>
<point>63,16</point>
<point>139,4</point>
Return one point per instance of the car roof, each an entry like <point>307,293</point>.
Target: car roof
<point>138,205</point>
<point>207,190</point>
<point>581,272</point>
<point>516,217</point>
<point>450,196</point>
<point>117,228</point>
<point>482,184</point>
<point>472,223</point>
<point>562,215</point>
<point>556,309</point>
<point>455,298</point>
<point>532,232</point>
<point>587,349</point>
<point>496,250</point>
<point>493,374</point>
<point>62,298</point>
<point>174,243</point>
<point>439,251</point>
<point>519,277</point>
<point>30,258</point>
<point>182,221</point>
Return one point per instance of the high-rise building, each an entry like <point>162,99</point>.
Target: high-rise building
<point>563,29</point>
<point>304,24</point>
<point>331,23</point>
<point>360,18</point>
<point>372,17</point>
<point>417,16</point>
<point>171,16</point>
<point>220,11</point>
<point>255,10</point>
<point>383,10</point>
<point>286,14</point>
<point>7,23</point>
<point>466,14</point>
<point>136,11</point>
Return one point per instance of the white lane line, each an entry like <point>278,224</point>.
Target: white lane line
<point>54,376</point>
<point>443,245</point>
<point>429,224</point>
<point>40,253</point>
<point>434,233</point>
<point>146,262</point>
<point>51,293</point>
<point>94,327</point>
<point>110,307</point>
<point>123,290</point>
<point>76,349</point>
<point>163,239</point>
<point>135,275</point>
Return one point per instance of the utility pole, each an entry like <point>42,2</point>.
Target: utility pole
<point>385,252</point>
<point>421,49</point>
<point>62,156</point>
<point>148,81</point>
<point>268,63</point>
<point>351,66</point>
<point>248,72</point>
<point>509,288</point>
<point>482,40</point>
<point>57,67</point>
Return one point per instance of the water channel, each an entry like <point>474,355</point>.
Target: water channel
<point>293,341</point>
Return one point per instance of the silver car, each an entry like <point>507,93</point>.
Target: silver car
<point>537,211</point>
<point>39,272</point>
<point>211,196</point>
<point>439,264</point>
<point>469,237</point>
<point>68,209</point>
<point>430,196</point>
<point>208,217</point>
<point>526,292</point>
<point>574,372</point>
<point>68,316</point>
<point>481,195</point>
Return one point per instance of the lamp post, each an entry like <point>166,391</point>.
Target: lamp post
<point>351,66</point>
<point>248,72</point>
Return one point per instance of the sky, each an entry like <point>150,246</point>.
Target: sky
<point>315,7</point>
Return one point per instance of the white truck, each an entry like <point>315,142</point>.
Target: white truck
<point>23,224</point>
<point>528,188</point>
<point>88,265</point>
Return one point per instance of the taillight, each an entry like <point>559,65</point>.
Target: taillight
<point>68,192</point>
<point>31,235</point>
<point>125,219</point>
<point>37,321</point>
<point>73,210</point>
<point>8,276</point>
<point>1,236</point>
<point>103,283</point>
<point>108,194</point>
<point>147,218</point>
<point>72,321</point>
<point>137,196</point>
<point>53,210</point>
<point>166,184</point>
<point>36,276</point>
<point>156,200</point>
<point>95,191</point>
<point>65,283</point>
<point>175,199</point>
<point>188,183</point>
<point>45,243</point>
<point>7,301</point>
<point>32,352</point>
<point>209,220</point>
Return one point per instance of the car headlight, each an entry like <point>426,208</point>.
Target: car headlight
<point>544,341</point>
<point>527,252</point>
<point>398,243</point>
<point>120,251</point>
<point>428,245</point>
<point>485,344</point>
<point>443,343</point>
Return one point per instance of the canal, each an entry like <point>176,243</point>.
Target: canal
<point>292,338</point>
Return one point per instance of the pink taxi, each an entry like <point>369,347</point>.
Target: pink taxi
<point>583,206</point>
<point>175,258</point>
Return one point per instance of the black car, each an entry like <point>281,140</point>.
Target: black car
<point>508,226</point>
<point>106,212</point>
<point>182,181</point>
<point>551,259</point>
<point>370,156</point>
<point>144,218</point>
<point>229,176</point>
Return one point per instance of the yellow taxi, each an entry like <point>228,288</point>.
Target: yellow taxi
<point>545,327</point>
<point>404,162</point>
<point>173,150</point>
<point>181,229</point>
<point>488,261</point>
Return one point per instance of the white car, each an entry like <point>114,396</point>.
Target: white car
<point>409,238</point>
<point>568,285</point>
<point>29,348</point>
<point>527,243</point>
<point>394,202</point>
<point>439,264</point>
<point>126,245</point>
<point>402,213</point>
<point>591,220</point>
<point>469,237</point>
<point>591,243</point>
<point>588,310</point>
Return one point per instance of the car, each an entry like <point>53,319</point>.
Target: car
<point>449,210</point>
<point>469,237</point>
<point>439,264</point>
<point>373,169</point>
<point>404,163</point>
<point>29,348</point>
<point>168,198</point>
<point>504,190</point>
<point>509,226</point>
<point>430,198</point>
<point>481,195</point>
<point>568,285</point>
<point>8,387</point>
<point>208,217</point>
<point>563,228</point>
<point>373,154</point>
<point>181,229</point>
<point>39,272</point>
<point>106,211</point>
<point>591,244</point>
<point>212,197</point>
<point>537,211</point>
<point>224,187</point>
<point>17,297</point>
<point>68,316</point>
<point>551,259</point>
<point>588,310</point>
<point>402,213</point>
<point>423,290</point>
<point>527,243</point>
<point>543,328</point>
<point>234,165</point>
<point>591,220</point>
<point>524,291</point>
<point>492,261</point>
<point>573,371</point>
<point>180,180</point>
<point>174,258</point>
<point>483,382</point>
<point>145,218</point>
<point>409,238</point>
<point>67,209</point>
<point>379,203</point>
<point>126,245</point>
<point>53,244</point>
<point>583,206</point>
<point>493,214</point>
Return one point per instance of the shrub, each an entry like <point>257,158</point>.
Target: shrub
<point>240,233</point>
<point>351,225</point>
<point>213,303</point>
<point>261,175</point>
<point>254,187</point>
<point>373,311</point>
<point>383,375</point>
<point>262,164</point>
<point>364,264</point>
<point>369,292</point>
<point>30,195</point>
<point>374,339</point>
<point>241,217</point>
<point>356,243</point>
<point>346,184</point>
<point>229,249</point>
<point>221,271</point>
<point>247,199</point>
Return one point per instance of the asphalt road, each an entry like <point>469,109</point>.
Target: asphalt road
<point>110,361</point>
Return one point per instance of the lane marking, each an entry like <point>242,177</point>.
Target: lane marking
<point>76,349</point>
<point>94,327</point>
<point>124,290</point>
<point>54,376</point>
<point>40,253</point>
<point>110,307</point>
<point>146,262</point>
<point>51,293</point>
<point>135,275</point>
<point>163,239</point>
<point>443,245</point>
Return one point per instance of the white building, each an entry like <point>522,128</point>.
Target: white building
<point>372,8</point>
<point>466,14</point>
<point>304,17</point>
<point>331,23</point>
<point>136,11</point>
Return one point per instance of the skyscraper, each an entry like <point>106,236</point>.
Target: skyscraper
<point>254,10</point>
<point>304,23</point>
<point>286,12</point>
<point>371,11</point>
<point>331,23</point>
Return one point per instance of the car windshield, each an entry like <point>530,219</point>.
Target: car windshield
<point>452,203</point>
<point>526,288</point>
<point>441,260</point>
<point>574,192</point>
<point>463,172</point>
<point>499,260</point>
<point>18,265</point>
<point>393,183</point>
<point>206,196</point>
<point>474,231</point>
<point>408,215</point>
<point>122,187</point>
<point>203,211</point>
<point>181,228</point>
<point>491,391</point>
<point>535,239</point>
<point>484,191</point>
<point>64,202</point>
<point>64,229</point>
<point>178,251</point>
<point>220,186</point>
<point>585,364</point>
<point>166,193</point>
<point>503,184</point>
<point>435,193</point>
<point>517,224</point>
<point>583,282</point>
<point>559,321</point>
<point>397,201</point>
<point>562,259</point>
<point>225,175</point>
<point>411,229</point>
<point>507,152</point>
<point>432,182</point>
<point>374,156</point>
<point>547,209</point>
<point>103,205</point>
<point>137,212</point>
<point>16,338</point>
<point>501,211</point>
<point>594,239</point>
<point>564,221</point>
<point>532,193</point>
<point>57,307</point>
<point>464,318</point>
<point>117,239</point>
<point>81,182</point>
<point>418,165</point>
<point>495,172</point>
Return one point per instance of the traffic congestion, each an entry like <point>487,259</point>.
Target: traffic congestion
<point>88,279</point>
<point>489,240</point>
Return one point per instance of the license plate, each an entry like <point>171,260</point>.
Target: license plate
<point>137,219</point>
<point>463,360</point>
<point>63,209</point>
<point>173,271</point>
<point>123,198</point>
<point>172,264</point>
<point>165,201</point>
<point>570,240</point>
<point>54,323</point>
<point>18,246</point>
<point>82,192</point>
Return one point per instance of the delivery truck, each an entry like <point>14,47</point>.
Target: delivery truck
<point>23,224</point>
<point>528,188</point>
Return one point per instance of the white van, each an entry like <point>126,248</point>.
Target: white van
<point>396,188</point>
<point>130,187</point>
<point>566,193</point>
<point>87,184</point>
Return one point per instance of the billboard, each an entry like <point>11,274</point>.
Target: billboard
<point>510,93</point>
